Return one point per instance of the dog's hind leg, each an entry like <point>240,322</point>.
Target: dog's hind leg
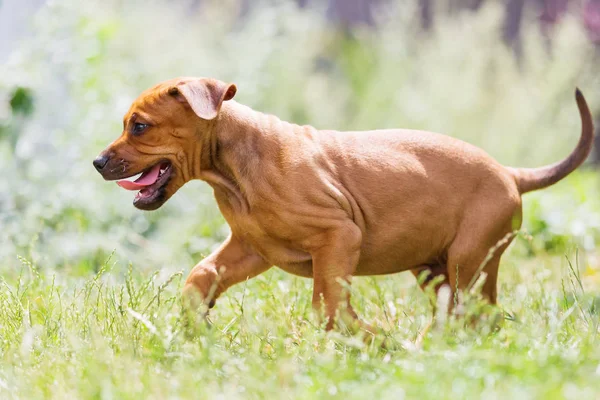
<point>475,254</point>
<point>483,236</point>
<point>477,249</point>
<point>431,274</point>
<point>466,264</point>
<point>436,275</point>
<point>459,276</point>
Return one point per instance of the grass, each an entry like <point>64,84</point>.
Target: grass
<point>119,334</point>
<point>74,325</point>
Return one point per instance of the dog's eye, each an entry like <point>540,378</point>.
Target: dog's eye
<point>139,128</point>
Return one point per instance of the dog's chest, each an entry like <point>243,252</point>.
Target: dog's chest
<point>276,248</point>
<point>272,238</point>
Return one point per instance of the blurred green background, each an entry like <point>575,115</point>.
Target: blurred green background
<point>499,74</point>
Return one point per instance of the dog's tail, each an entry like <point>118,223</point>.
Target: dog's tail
<point>529,179</point>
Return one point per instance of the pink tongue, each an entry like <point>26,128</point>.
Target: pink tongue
<point>147,179</point>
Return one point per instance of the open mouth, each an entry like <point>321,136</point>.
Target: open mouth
<point>150,184</point>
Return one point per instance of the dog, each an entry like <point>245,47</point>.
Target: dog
<point>325,204</point>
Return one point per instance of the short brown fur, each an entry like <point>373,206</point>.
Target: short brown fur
<point>325,204</point>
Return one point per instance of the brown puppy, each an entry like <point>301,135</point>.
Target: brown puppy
<point>325,204</point>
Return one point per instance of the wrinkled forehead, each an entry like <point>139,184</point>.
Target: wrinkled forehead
<point>153,102</point>
<point>150,102</point>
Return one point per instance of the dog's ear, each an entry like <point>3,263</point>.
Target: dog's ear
<point>204,96</point>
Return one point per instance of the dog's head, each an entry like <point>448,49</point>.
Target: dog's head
<point>165,133</point>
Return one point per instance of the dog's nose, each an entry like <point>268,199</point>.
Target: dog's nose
<point>100,161</point>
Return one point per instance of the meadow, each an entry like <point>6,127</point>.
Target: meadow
<point>89,286</point>
<point>123,335</point>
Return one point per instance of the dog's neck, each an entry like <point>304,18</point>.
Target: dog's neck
<point>241,144</point>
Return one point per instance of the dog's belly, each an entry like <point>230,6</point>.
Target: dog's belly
<point>389,251</point>
<point>374,260</point>
<point>286,257</point>
<point>303,269</point>
<point>395,262</point>
<point>385,266</point>
<point>382,252</point>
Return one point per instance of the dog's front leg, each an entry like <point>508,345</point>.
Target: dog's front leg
<point>334,262</point>
<point>231,263</point>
